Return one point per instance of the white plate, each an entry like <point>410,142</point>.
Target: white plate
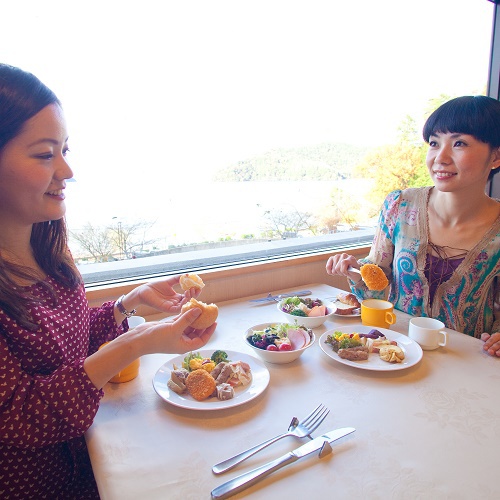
<point>413,352</point>
<point>355,315</point>
<point>242,395</point>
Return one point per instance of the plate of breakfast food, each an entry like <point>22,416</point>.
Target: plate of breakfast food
<point>211,380</point>
<point>370,348</point>
<point>346,305</point>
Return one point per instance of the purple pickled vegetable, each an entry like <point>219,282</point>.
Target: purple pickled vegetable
<point>372,334</point>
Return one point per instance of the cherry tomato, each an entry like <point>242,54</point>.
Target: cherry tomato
<point>285,347</point>
<point>271,347</point>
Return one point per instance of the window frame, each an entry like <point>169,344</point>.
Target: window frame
<point>199,261</point>
<point>494,84</point>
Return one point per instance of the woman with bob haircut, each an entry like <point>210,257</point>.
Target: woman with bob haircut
<point>439,246</point>
<point>51,371</point>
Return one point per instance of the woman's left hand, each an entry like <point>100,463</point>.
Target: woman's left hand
<point>161,296</point>
<point>491,343</point>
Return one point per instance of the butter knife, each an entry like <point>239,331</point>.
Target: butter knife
<point>243,481</point>
<point>273,298</point>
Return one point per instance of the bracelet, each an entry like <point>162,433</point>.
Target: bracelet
<point>122,309</point>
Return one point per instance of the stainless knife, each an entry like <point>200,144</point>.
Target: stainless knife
<point>243,481</point>
<point>273,298</point>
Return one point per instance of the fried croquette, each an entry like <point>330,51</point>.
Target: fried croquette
<point>374,277</point>
<point>207,317</point>
<point>200,384</point>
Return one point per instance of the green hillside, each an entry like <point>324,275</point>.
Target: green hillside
<point>326,161</point>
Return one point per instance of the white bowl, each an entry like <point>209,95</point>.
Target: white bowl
<point>278,357</point>
<point>308,321</point>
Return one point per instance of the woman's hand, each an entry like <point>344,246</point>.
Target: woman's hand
<point>337,265</point>
<point>160,295</point>
<point>173,337</point>
<point>491,343</point>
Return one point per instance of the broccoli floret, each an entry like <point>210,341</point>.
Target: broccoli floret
<point>219,356</point>
<point>298,312</point>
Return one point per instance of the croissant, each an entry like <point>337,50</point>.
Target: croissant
<point>348,298</point>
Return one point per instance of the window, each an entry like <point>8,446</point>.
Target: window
<point>238,127</point>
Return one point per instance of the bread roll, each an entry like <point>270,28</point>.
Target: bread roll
<point>207,317</point>
<point>200,384</point>
<point>191,280</point>
<point>348,298</point>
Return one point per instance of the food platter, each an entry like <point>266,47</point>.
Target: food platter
<point>260,380</point>
<point>413,352</point>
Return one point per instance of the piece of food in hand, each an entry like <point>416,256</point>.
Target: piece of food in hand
<point>207,317</point>
<point>374,277</point>
<point>391,353</point>
<point>348,299</point>
<point>200,384</point>
<point>191,280</point>
<point>359,353</point>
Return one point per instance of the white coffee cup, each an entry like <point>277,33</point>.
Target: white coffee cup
<point>134,321</point>
<point>427,332</point>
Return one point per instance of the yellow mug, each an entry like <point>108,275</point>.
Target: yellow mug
<point>132,370</point>
<point>377,312</point>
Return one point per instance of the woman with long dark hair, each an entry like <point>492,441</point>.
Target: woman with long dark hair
<point>51,371</point>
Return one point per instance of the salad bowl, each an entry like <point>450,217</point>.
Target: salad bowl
<point>279,356</point>
<point>292,311</point>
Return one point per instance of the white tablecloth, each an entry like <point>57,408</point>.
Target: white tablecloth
<point>431,431</point>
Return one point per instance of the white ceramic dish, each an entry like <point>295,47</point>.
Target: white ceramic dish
<point>260,380</point>
<point>276,357</point>
<point>307,321</point>
<point>413,352</point>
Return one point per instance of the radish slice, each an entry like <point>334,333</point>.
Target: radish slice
<point>298,338</point>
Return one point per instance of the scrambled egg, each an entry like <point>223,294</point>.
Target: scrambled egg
<point>204,364</point>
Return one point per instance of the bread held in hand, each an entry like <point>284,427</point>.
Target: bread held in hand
<point>207,317</point>
<point>191,280</point>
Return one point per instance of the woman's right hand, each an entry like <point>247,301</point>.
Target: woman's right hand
<point>174,336</point>
<point>338,264</point>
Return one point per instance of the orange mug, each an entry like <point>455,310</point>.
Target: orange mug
<point>377,312</point>
<point>132,370</point>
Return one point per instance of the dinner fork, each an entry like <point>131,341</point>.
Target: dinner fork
<point>300,429</point>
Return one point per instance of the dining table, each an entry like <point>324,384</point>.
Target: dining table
<point>428,430</point>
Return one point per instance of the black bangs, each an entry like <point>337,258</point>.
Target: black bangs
<point>478,116</point>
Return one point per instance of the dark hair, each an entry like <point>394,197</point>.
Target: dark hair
<point>478,116</point>
<point>22,96</point>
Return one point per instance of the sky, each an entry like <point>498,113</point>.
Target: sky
<point>158,94</point>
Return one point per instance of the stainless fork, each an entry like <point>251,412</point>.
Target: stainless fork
<point>298,429</point>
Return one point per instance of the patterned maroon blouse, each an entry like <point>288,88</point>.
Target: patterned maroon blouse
<point>47,400</point>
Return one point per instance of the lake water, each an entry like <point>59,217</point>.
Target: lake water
<point>204,211</point>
